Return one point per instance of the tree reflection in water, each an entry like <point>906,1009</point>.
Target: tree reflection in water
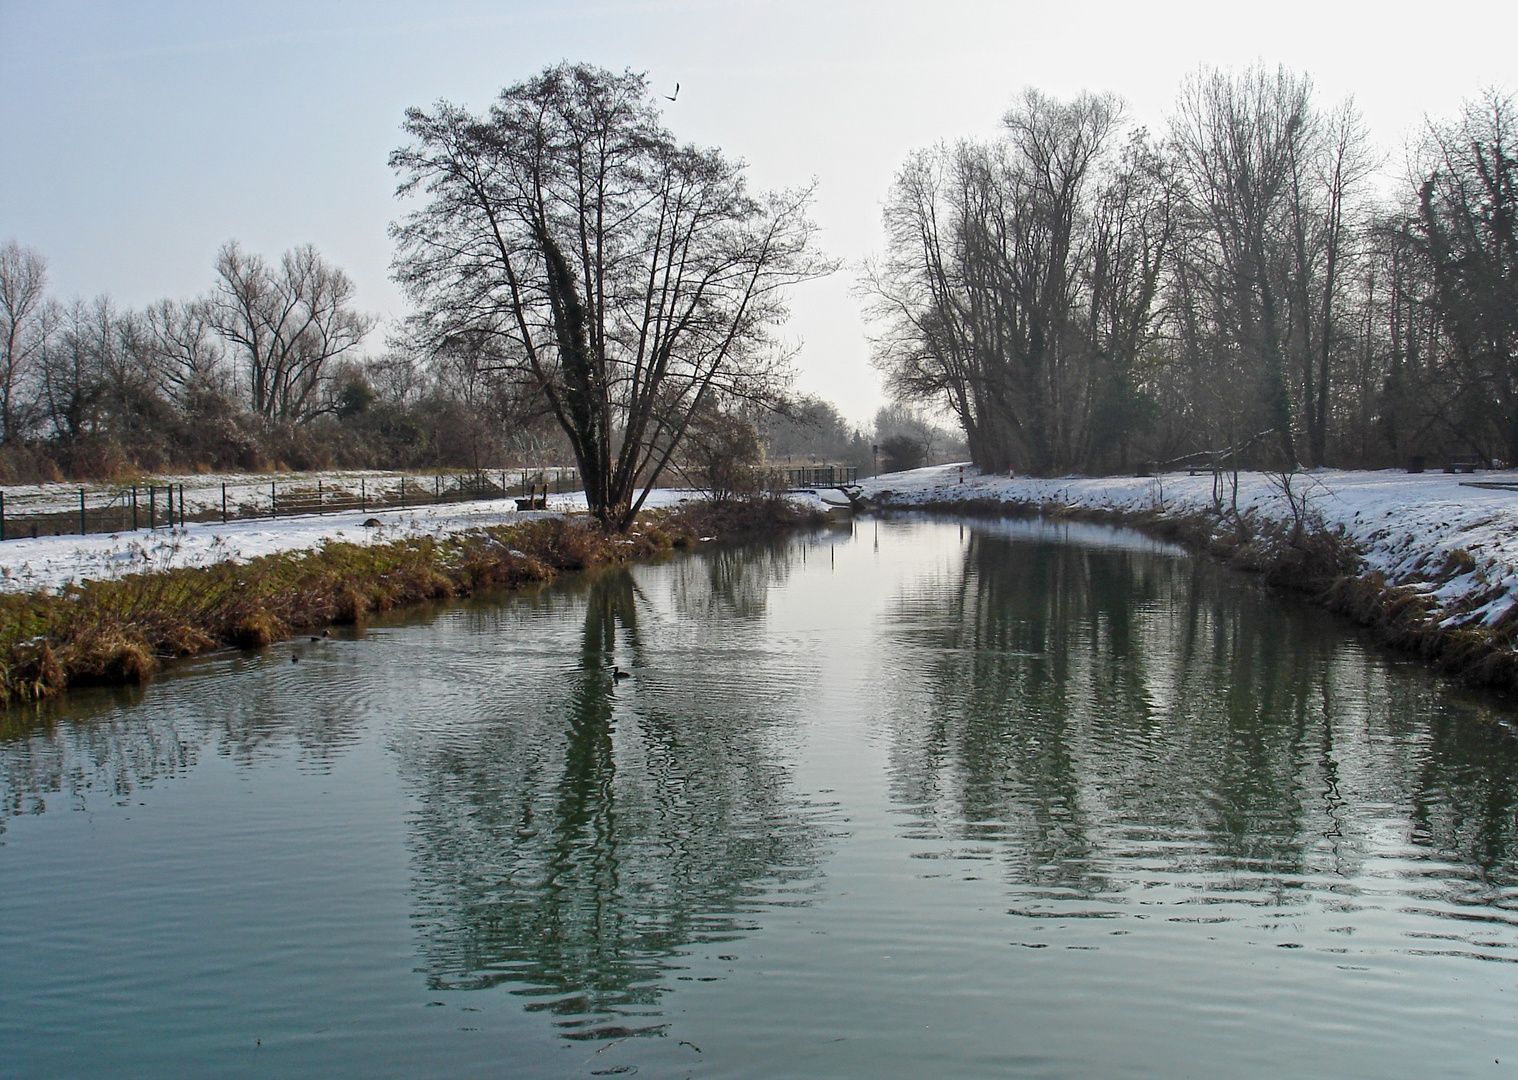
<point>106,743</point>
<point>1108,728</point>
<point>584,841</point>
<point>1099,718</point>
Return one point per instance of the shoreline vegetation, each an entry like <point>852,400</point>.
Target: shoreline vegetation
<point>1306,557</point>
<point>122,630</point>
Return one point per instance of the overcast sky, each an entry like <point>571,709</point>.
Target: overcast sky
<point>136,137</point>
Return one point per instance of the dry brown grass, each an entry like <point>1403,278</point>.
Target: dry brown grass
<point>120,631</point>
<point>737,518</point>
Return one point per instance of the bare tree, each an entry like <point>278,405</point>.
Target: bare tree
<point>1467,231</point>
<point>633,280</point>
<point>179,343</point>
<point>723,456</point>
<point>1328,165</point>
<point>1019,281</point>
<point>25,319</point>
<point>286,325</point>
<point>1236,142</point>
<point>75,382</point>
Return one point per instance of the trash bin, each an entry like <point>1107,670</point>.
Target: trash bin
<point>1416,462</point>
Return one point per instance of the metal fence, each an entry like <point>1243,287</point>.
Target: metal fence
<point>157,506</point>
<point>817,475</point>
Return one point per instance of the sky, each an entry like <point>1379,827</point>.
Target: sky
<point>136,138</point>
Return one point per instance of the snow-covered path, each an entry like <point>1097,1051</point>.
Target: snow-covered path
<point>51,562</point>
<point>1407,525</point>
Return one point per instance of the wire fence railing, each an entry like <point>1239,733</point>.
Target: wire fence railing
<point>157,506</point>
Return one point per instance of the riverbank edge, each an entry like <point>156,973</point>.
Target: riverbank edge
<point>121,630</point>
<point>1323,565</point>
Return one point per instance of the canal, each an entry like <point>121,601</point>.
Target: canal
<point>906,798</point>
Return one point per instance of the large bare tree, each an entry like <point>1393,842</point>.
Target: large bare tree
<point>1019,280</point>
<point>632,279</point>
<point>1237,140</point>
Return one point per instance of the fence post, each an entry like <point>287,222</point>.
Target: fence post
<point>152,507</point>
<point>223,504</point>
<point>273,501</point>
<point>181,507</point>
<point>403,491</point>
<point>437,489</point>
<point>2,515</point>
<point>81,511</point>
<point>134,507</point>
<point>363,498</point>
<point>318,498</point>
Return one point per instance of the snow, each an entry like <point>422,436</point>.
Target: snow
<point>1407,526</point>
<point>52,562</point>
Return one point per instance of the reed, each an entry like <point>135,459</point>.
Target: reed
<point>122,630</point>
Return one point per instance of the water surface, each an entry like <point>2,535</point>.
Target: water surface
<point>916,798</point>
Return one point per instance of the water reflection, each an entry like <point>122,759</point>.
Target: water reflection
<point>44,761</point>
<point>1104,748</point>
<point>1102,722</point>
<point>113,743</point>
<point>736,580</point>
<point>582,841</point>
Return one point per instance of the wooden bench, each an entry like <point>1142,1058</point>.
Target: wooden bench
<point>1465,463</point>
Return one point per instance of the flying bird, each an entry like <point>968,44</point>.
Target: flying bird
<point>671,97</point>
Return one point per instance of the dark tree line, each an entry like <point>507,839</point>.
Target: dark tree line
<point>1084,296</point>
<point>261,371</point>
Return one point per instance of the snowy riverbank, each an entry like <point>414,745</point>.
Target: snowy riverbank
<point>1456,543</point>
<point>51,562</point>
<point>1432,532</point>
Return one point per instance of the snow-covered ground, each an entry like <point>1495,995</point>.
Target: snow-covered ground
<point>1407,525</point>
<point>50,562</point>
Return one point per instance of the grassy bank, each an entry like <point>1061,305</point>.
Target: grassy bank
<point>1326,567</point>
<point>121,630</point>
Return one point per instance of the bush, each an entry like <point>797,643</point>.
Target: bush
<point>902,452</point>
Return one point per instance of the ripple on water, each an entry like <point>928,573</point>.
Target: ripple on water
<point>979,801</point>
